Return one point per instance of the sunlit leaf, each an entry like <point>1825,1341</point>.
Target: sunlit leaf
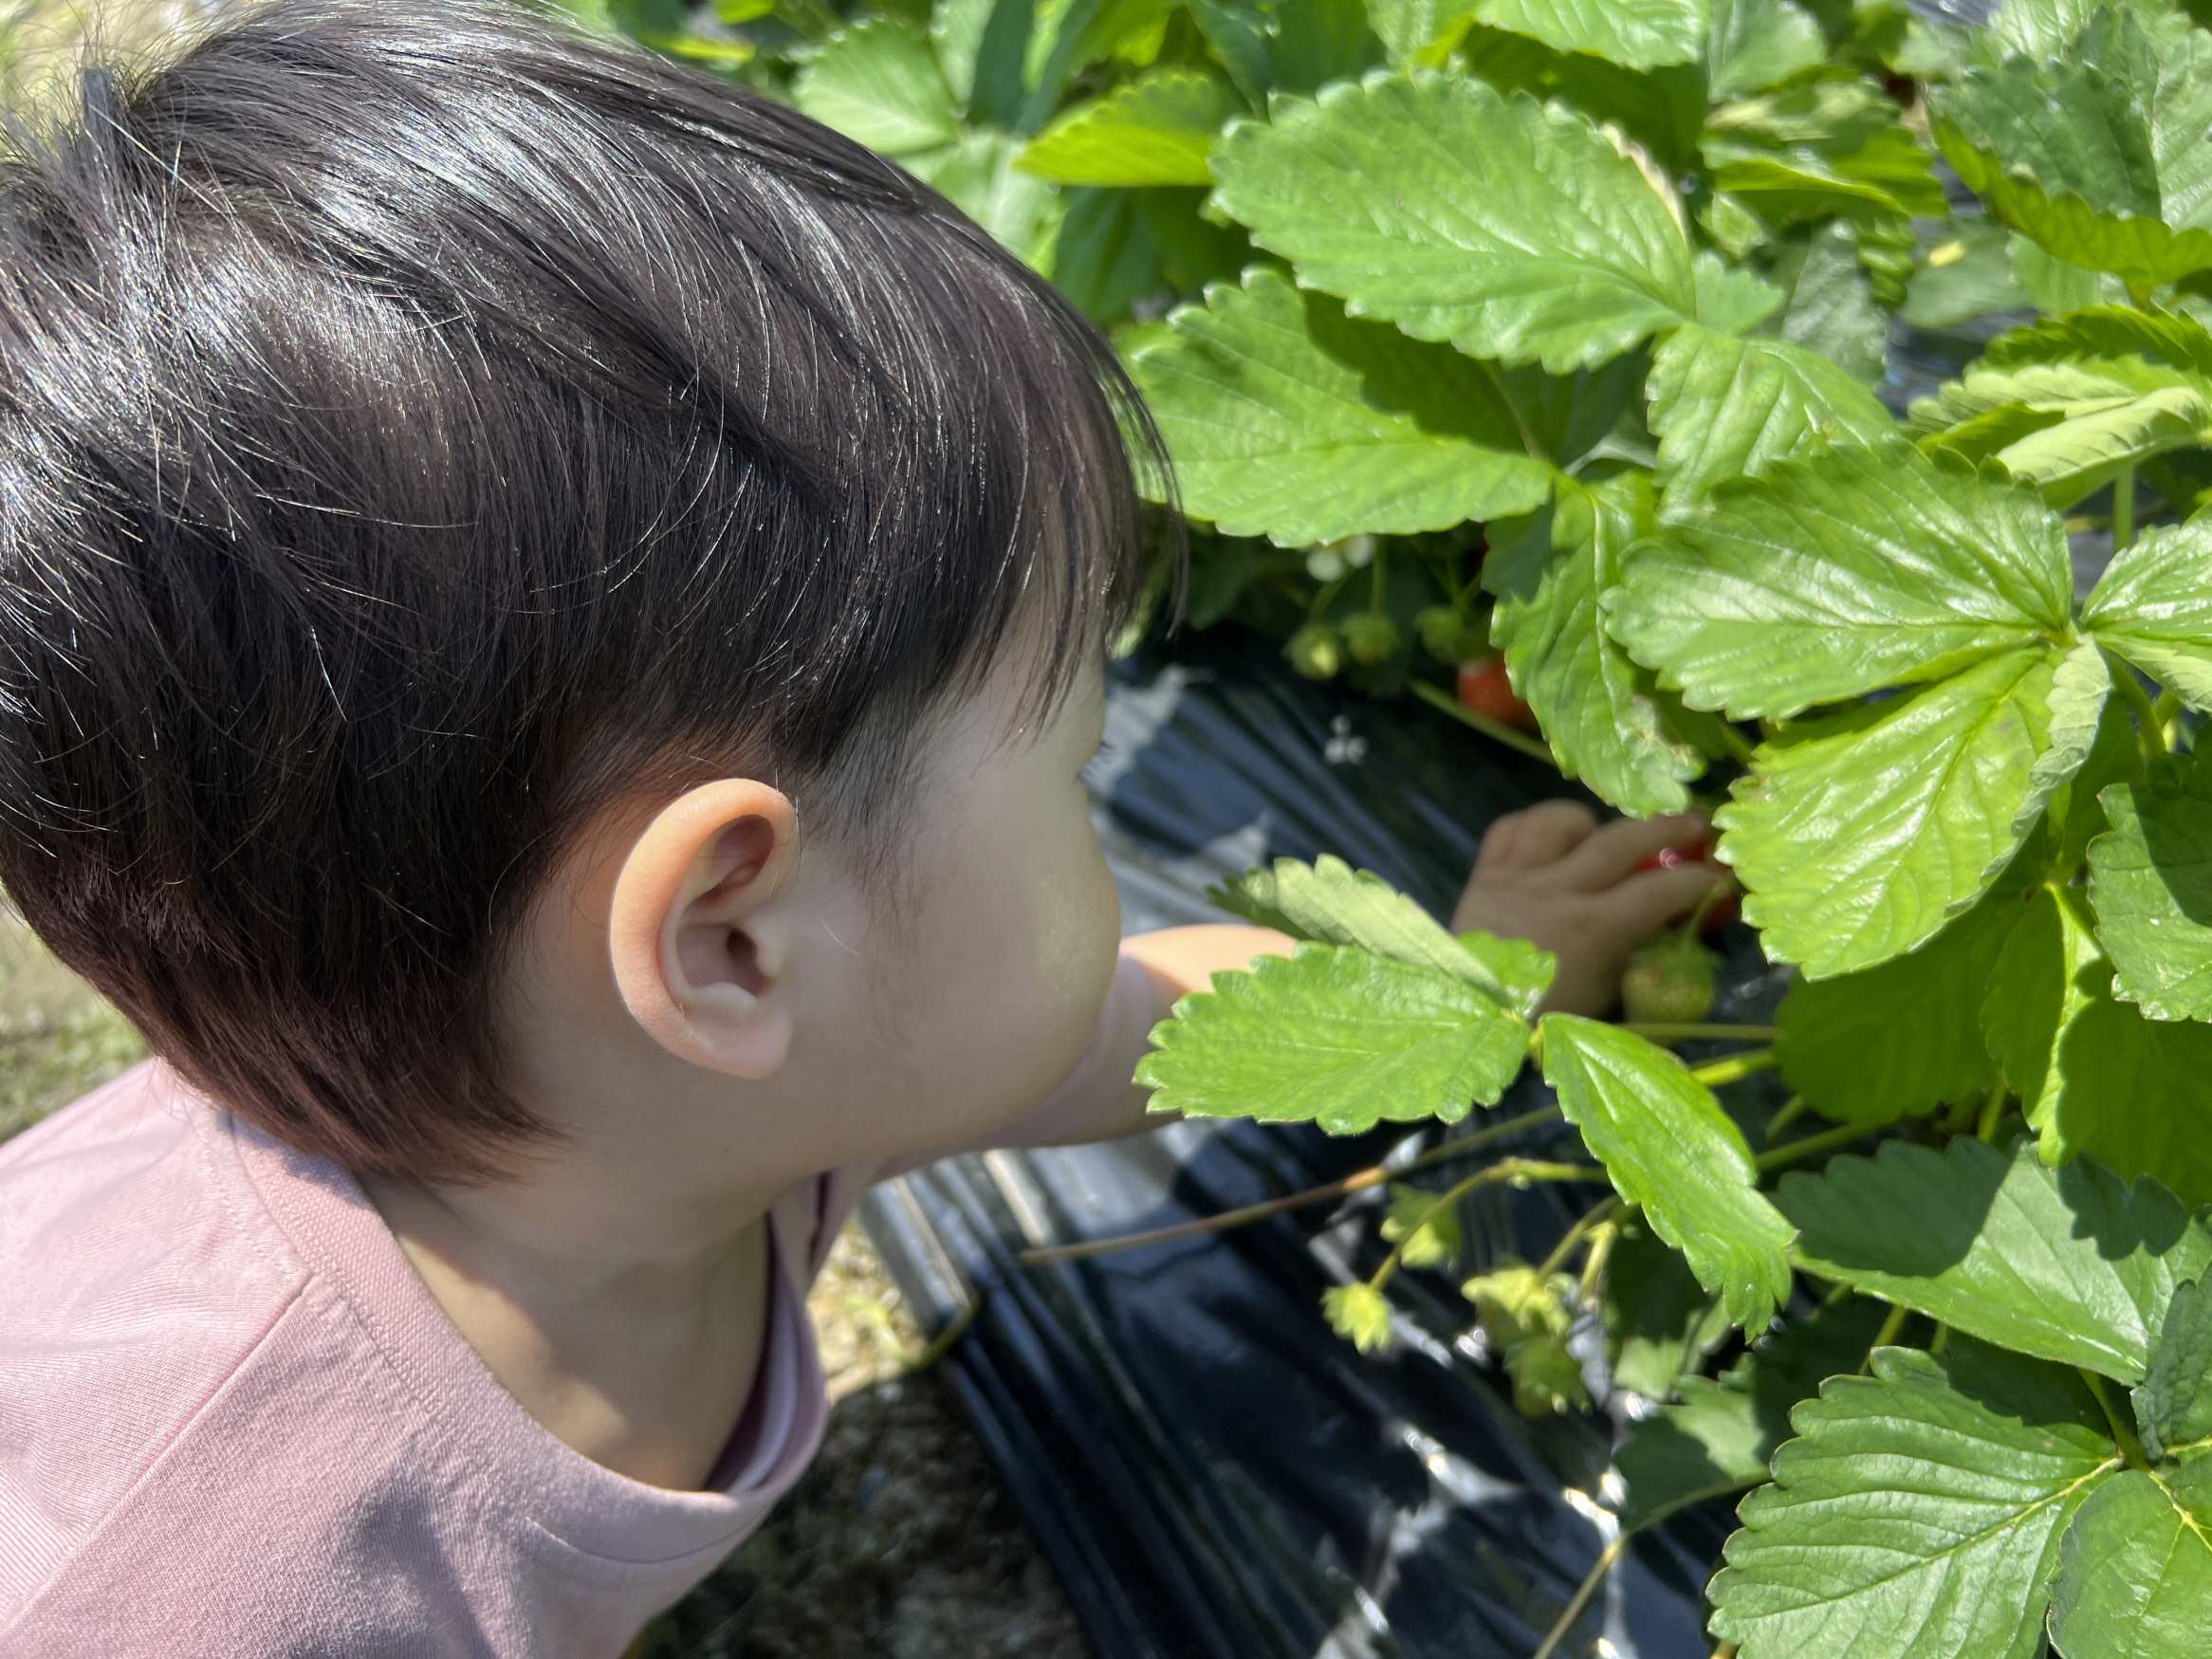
<point>1638,34</point>
<point>1724,407</point>
<point>1829,578</point>
<point>1549,573</point>
<point>1861,836</point>
<point>2173,1403</point>
<point>1288,419</point>
<point>879,83</point>
<point>1443,207</point>
<point>1157,129</point>
<point>1919,1513</point>
<point>2136,1572</point>
<point>2154,607</point>
<point>2151,881</point>
<point>1669,1148</point>
<point>1337,1037</point>
<point>1331,903</point>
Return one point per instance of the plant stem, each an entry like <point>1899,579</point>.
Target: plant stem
<point>1358,1181</point>
<point>2167,710</point>
<point>1595,1576</point>
<point>1787,1113</point>
<point>1789,1151</point>
<point>1734,742</point>
<point>1574,1235</point>
<point>1733,1066</point>
<point>1667,1031</point>
<point>1992,1113</point>
<point>2150,730</point>
<point>1514,1169</point>
<point>2130,1447</point>
<point>1601,1242</point>
<point>1887,1335</point>
<point>1496,730</point>
<point>2124,508</point>
<point>941,1344</point>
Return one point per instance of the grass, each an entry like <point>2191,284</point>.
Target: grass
<point>57,1037</point>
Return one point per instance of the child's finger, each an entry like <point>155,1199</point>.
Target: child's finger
<point>1544,834</point>
<point>1644,904</point>
<point>1613,854</point>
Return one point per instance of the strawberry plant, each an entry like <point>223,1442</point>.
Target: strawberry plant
<point>1970,1409</point>
<point>1085,135</point>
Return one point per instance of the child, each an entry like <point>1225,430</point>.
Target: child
<point>552,613</point>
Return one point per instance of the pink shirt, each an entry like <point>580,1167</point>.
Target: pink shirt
<point>234,1423</point>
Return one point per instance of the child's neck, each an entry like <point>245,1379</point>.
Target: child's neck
<point>630,1331</point>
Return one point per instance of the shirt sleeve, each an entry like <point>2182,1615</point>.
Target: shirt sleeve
<point>1094,1085</point>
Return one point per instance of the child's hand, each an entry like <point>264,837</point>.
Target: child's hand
<point>1554,875</point>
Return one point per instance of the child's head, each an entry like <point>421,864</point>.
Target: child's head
<point>425,436</point>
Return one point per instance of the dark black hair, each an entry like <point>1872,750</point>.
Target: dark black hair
<point>419,424</point>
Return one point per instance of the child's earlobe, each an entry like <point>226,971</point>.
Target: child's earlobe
<point>693,968</point>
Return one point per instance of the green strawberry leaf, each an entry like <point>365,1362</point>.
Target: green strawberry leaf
<point>1333,1037</point>
<point>1919,1512</point>
<point>1967,276</point>
<point>1662,1320</point>
<point>2153,607</point>
<point>2136,1572</point>
<point>2080,688</point>
<point>2151,879</point>
<point>1157,129</point>
<point>1709,1444</point>
<point>1861,835</point>
<point>1595,706</point>
<point>2061,124</point>
<point>2071,1265</point>
<point>1669,1148</point>
<point>1829,577</point>
<point>1331,903</point>
<point>1358,1313</point>
<point>1724,407</point>
<point>977,176</point>
<point>2066,427</point>
<point>2173,1403</point>
<point>2107,331</point>
<point>1288,419</point>
<point>1820,148</point>
<point>1443,207</point>
<point>1753,44</point>
<point>1831,310</point>
<point>2094,1076</point>
<point>1636,34</point>
<point>2143,252</point>
<point>879,83</point>
<point>1427,1233</point>
<point>1661,109</point>
<point>1903,1037</point>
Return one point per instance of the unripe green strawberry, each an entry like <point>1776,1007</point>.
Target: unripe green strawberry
<point>1371,636</point>
<point>1449,637</point>
<point>1316,651</point>
<point>1670,982</point>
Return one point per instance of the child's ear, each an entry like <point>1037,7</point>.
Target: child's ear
<point>691,967</point>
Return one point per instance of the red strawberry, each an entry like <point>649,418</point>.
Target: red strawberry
<point>1484,687</point>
